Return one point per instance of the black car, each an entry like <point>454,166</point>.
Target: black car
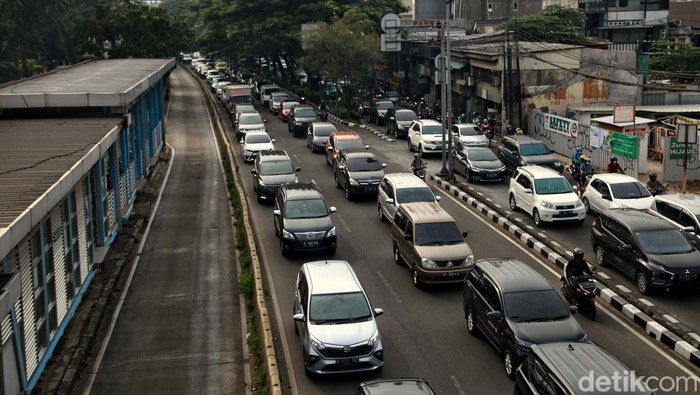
<point>403,386</point>
<point>478,164</point>
<point>303,219</point>
<point>272,169</point>
<point>377,110</point>
<point>519,150</point>
<point>300,117</point>
<point>398,120</point>
<point>649,249</point>
<point>358,172</point>
<point>514,307</point>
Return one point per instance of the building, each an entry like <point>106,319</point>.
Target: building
<point>77,145</point>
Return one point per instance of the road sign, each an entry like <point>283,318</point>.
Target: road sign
<point>390,42</point>
<point>390,23</point>
<point>624,114</point>
<point>687,133</point>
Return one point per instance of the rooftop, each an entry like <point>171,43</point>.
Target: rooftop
<point>513,275</point>
<point>333,276</point>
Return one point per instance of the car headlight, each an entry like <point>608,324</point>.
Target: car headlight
<point>246,151</point>
<point>557,164</point>
<point>372,341</point>
<point>657,267</point>
<point>523,343</point>
<point>469,261</point>
<point>287,235</point>
<point>331,232</point>
<point>502,168</point>
<point>583,338</point>
<point>547,205</point>
<point>353,181</point>
<point>261,182</point>
<point>317,344</point>
<point>428,263</point>
<point>579,204</point>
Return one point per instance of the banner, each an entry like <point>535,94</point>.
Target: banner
<point>682,119</point>
<point>560,125</point>
<point>622,145</point>
<point>678,149</point>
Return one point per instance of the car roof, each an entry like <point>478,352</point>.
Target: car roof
<point>275,154</point>
<point>524,139</point>
<point>466,125</point>
<point>513,275</point>
<point>537,171</point>
<point>571,361</point>
<point>614,178</point>
<point>689,201</point>
<point>322,124</point>
<point>296,106</point>
<point>301,190</point>
<point>330,277</point>
<point>358,153</point>
<point>638,219</point>
<point>397,386</point>
<point>342,135</point>
<point>422,212</point>
<point>384,101</point>
<point>405,180</point>
<point>428,122</point>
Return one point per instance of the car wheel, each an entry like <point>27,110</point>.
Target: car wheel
<point>331,250</point>
<point>509,363</point>
<point>415,278</point>
<point>397,255</point>
<point>536,217</point>
<point>587,205</point>
<point>337,183</point>
<point>599,256</point>
<point>396,133</point>
<point>511,201</point>
<point>382,217</point>
<point>581,222</point>
<point>642,281</point>
<point>410,146</point>
<point>420,150</point>
<point>348,194</point>
<point>471,325</point>
<point>260,199</point>
<point>285,253</point>
<point>467,174</point>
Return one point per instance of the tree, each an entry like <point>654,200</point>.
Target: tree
<point>554,24</point>
<point>680,60</point>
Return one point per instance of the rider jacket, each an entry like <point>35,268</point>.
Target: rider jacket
<point>614,167</point>
<point>417,164</point>
<point>577,268</point>
<point>654,186</point>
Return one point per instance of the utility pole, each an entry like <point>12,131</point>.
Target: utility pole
<point>518,87</point>
<point>443,94</point>
<point>448,88</point>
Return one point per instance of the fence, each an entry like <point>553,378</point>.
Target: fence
<point>673,167</point>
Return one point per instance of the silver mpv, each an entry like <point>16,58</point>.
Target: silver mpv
<point>335,321</point>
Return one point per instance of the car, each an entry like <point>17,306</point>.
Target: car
<point>303,219</point>
<point>317,135</point>
<point>649,249</point>
<point>426,136</point>
<point>265,92</point>
<point>363,108</point>
<point>515,307</point>
<point>397,386</point>
<point>239,109</point>
<point>338,141</point>
<point>220,90</point>
<point>521,150</point>
<point>428,240</point>
<point>276,99</point>
<point>285,106</point>
<point>377,110</point>
<point>562,368</point>
<point>683,210</point>
<point>612,190</point>
<point>249,122</point>
<point>335,321</point>
<point>398,120</point>
<point>253,142</point>
<point>468,135</point>
<point>358,172</point>
<point>211,73</point>
<point>272,169</point>
<point>300,117</point>
<point>546,195</point>
<point>392,96</point>
<point>398,188</point>
<point>478,164</point>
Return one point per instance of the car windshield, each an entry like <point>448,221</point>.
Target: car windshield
<point>306,208</point>
<point>384,105</point>
<point>338,308</point>
<point>629,190</point>
<point>391,94</point>
<point>257,138</point>
<point>349,144</point>
<point>323,131</point>
<point>663,241</point>
<point>279,98</point>
<point>432,129</point>
<point>482,155</point>
<point>417,194</point>
<point>534,149</point>
<point>364,164</point>
<point>289,104</point>
<point>305,112</point>
<point>552,186</point>
<point>242,99</point>
<point>245,109</point>
<point>406,116</point>
<point>470,131</point>
<point>545,305</point>
<point>276,167</point>
<point>250,119</point>
<point>438,233</point>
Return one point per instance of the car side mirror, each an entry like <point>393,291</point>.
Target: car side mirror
<point>332,209</point>
<point>273,140</point>
<point>299,317</point>
<point>297,170</point>
<point>277,213</point>
<point>366,146</point>
<point>378,312</point>
<point>628,247</point>
<point>438,198</point>
<point>465,234</point>
<point>689,229</point>
<point>573,309</point>
<point>391,118</point>
<point>264,120</point>
<point>329,148</point>
<point>253,172</point>
<point>551,151</point>
<point>408,237</point>
<point>241,141</point>
<point>605,196</point>
<point>528,191</point>
<point>341,167</point>
<point>383,165</point>
<point>389,201</point>
<point>495,315</point>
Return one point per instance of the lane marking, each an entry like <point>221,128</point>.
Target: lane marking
<point>389,287</point>
<point>342,221</point>
<point>458,386</point>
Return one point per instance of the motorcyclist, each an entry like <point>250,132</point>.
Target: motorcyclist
<point>417,164</point>
<point>614,167</point>
<point>586,169</point>
<point>519,131</point>
<point>462,118</point>
<point>654,185</point>
<point>302,100</point>
<point>324,111</point>
<point>576,157</point>
<point>577,267</point>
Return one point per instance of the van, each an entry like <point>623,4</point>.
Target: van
<point>427,239</point>
<point>335,320</point>
<point>265,92</point>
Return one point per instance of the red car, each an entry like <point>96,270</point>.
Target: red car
<point>285,106</point>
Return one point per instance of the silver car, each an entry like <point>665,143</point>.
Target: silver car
<point>397,188</point>
<point>317,135</point>
<point>335,321</point>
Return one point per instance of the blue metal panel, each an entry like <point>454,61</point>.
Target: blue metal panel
<point>101,210</point>
<point>18,346</point>
<point>45,290</point>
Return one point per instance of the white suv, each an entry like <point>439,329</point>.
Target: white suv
<point>397,188</point>
<point>612,190</point>
<point>545,194</point>
<point>425,135</point>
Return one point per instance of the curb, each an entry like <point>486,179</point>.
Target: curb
<point>636,313</point>
<point>372,129</point>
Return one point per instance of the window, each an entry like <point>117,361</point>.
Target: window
<point>491,296</point>
<point>490,7</point>
<point>524,182</point>
<point>515,6</point>
<point>624,3</point>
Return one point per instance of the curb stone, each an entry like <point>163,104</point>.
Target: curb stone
<point>683,342</point>
<point>372,129</point>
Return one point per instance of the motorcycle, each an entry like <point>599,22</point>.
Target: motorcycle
<point>580,293</point>
<point>660,191</point>
<point>324,115</point>
<point>420,172</point>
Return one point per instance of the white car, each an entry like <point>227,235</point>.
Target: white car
<point>546,195</point>
<point>249,122</point>
<point>612,190</point>
<point>468,135</point>
<point>254,142</point>
<point>425,135</point>
<point>397,188</point>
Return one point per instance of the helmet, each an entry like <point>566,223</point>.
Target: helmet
<point>588,160</point>
<point>613,159</point>
<point>518,131</point>
<point>578,254</point>
<point>583,157</point>
<point>652,176</point>
<point>416,155</point>
<point>579,149</point>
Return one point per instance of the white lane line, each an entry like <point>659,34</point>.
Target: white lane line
<point>342,221</point>
<point>557,275</point>
<point>389,287</point>
<point>458,386</point>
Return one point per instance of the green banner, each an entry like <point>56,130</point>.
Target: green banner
<point>678,149</point>
<point>623,145</point>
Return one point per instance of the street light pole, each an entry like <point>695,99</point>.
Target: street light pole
<point>448,85</point>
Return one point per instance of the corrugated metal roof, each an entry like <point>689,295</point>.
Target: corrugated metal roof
<point>36,153</point>
<point>103,83</point>
<point>670,109</point>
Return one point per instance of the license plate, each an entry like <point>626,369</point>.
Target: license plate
<point>311,244</point>
<point>688,277</point>
<point>347,361</point>
<point>452,274</point>
<point>569,212</point>
<point>491,175</point>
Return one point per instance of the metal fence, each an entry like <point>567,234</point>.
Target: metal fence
<point>673,168</point>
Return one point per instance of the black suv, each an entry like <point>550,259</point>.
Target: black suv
<point>558,368</point>
<point>516,151</point>
<point>377,110</point>
<point>358,172</point>
<point>514,307</point>
<point>272,169</point>
<point>398,120</point>
<point>303,219</point>
<point>651,250</point>
<point>300,117</point>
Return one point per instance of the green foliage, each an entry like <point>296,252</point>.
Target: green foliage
<point>555,24</point>
<point>676,58</point>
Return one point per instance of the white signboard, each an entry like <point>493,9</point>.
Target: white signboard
<point>624,114</point>
<point>560,125</point>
